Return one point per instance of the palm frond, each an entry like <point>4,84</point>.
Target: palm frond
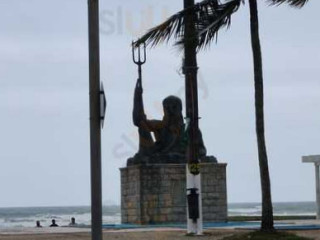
<point>173,26</point>
<point>294,3</point>
<point>209,16</point>
<point>212,19</point>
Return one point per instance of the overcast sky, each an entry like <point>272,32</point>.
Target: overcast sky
<point>44,101</point>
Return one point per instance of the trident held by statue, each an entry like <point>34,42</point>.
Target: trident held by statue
<point>139,58</point>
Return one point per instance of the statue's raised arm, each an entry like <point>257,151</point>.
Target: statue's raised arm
<point>138,114</point>
<point>139,59</point>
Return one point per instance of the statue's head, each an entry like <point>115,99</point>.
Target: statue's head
<point>172,106</point>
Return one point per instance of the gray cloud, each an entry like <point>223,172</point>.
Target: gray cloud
<point>44,157</point>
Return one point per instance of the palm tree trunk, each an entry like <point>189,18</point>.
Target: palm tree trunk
<point>267,210</point>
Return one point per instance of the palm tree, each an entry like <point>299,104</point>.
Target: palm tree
<point>267,223</point>
<point>210,17</point>
<point>267,209</point>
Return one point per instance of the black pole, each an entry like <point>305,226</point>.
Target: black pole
<point>95,131</point>
<point>191,83</point>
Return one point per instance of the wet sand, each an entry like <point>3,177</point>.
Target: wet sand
<point>78,233</point>
<point>153,234</point>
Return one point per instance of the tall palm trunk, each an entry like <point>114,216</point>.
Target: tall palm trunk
<point>267,210</point>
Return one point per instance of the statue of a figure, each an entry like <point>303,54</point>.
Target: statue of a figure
<point>169,144</point>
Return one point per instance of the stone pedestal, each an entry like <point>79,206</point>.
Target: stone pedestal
<point>157,193</point>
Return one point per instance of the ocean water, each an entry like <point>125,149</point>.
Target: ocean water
<point>279,209</point>
<point>27,217</point>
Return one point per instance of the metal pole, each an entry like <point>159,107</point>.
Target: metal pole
<point>191,83</point>
<point>95,131</point>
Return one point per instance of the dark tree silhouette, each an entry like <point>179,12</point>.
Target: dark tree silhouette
<point>210,17</point>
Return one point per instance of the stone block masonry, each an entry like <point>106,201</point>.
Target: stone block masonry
<point>156,193</point>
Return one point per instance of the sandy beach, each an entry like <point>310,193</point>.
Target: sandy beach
<point>138,234</point>
<point>158,234</point>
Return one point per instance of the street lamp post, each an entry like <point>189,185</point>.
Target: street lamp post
<point>95,130</point>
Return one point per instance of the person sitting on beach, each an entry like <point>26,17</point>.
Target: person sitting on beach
<point>54,223</point>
